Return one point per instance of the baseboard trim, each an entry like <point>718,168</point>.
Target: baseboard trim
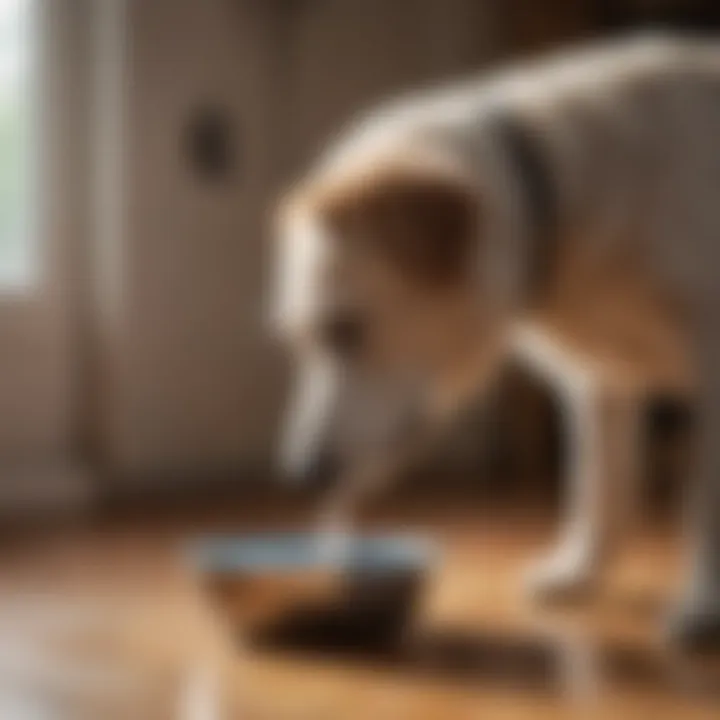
<point>56,487</point>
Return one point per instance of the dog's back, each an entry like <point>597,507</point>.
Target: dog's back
<point>627,134</point>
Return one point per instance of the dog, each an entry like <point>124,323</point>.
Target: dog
<point>564,213</point>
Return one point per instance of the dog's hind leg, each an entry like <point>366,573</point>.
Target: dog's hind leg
<point>696,621</point>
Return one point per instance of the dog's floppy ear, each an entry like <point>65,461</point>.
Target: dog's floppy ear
<point>425,224</point>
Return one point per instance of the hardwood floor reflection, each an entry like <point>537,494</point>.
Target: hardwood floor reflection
<point>111,622</point>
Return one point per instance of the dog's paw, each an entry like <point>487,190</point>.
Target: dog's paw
<point>561,576</point>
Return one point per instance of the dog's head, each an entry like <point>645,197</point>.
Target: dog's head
<point>378,277</point>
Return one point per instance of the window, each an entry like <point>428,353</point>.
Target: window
<point>17,132</point>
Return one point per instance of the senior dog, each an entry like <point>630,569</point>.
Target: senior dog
<point>565,213</point>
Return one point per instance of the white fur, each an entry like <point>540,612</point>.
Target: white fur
<point>298,264</point>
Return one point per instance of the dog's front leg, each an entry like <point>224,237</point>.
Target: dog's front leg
<point>602,428</point>
<point>419,439</point>
<point>371,476</point>
<point>603,446</point>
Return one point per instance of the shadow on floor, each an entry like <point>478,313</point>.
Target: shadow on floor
<point>489,658</point>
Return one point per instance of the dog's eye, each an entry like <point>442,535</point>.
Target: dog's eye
<point>343,332</point>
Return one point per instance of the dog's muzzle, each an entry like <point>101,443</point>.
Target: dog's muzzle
<point>306,449</point>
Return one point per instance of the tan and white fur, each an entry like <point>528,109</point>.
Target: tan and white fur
<point>417,224</point>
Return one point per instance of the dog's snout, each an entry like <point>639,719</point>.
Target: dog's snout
<point>343,333</point>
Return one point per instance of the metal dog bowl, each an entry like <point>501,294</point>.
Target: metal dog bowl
<point>311,589</point>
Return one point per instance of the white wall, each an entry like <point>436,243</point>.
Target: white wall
<point>190,379</point>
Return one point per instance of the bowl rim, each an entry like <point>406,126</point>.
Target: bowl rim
<point>281,552</point>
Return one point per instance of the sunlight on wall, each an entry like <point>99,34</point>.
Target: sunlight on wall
<point>17,247</point>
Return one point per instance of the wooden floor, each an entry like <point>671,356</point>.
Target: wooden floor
<point>109,622</point>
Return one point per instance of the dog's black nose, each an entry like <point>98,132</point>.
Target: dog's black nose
<point>343,333</point>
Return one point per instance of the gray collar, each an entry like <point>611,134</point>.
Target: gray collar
<point>538,200</point>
